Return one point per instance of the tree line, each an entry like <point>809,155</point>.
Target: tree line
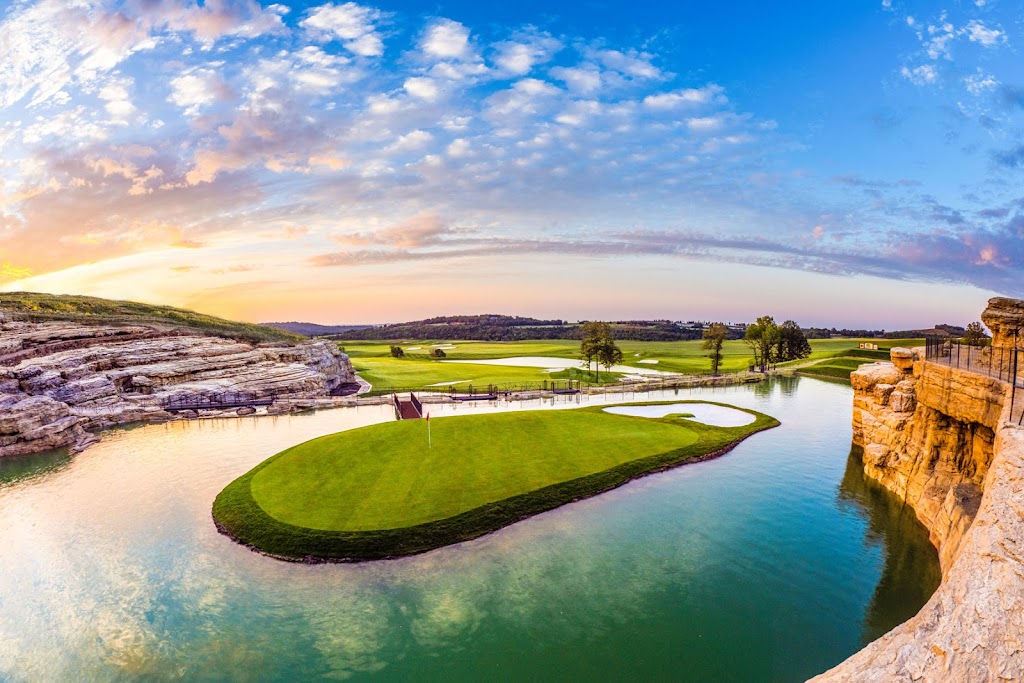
<point>769,342</point>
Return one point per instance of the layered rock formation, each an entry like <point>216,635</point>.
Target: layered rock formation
<point>59,380</point>
<point>942,439</point>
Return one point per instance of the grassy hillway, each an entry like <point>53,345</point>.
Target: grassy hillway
<point>91,310</point>
<point>380,492</point>
<point>840,365</point>
<point>373,360</point>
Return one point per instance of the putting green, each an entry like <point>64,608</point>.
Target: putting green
<point>380,491</point>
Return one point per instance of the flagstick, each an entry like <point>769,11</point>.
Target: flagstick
<point>428,430</point>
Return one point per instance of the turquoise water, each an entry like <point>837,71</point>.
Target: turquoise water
<point>774,562</point>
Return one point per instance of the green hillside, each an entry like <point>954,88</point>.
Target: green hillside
<point>91,310</point>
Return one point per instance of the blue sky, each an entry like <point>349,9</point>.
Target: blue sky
<point>850,163</point>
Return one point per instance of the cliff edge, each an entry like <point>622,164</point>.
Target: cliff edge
<point>61,379</point>
<point>941,437</point>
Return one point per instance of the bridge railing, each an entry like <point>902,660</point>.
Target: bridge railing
<point>225,399</point>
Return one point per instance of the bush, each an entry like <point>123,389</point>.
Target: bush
<point>397,352</point>
<point>438,353</point>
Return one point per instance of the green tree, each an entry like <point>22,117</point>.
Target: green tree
<point>608,353</point>
<point>714,336</point>
<point>975,335</point>
<point>397,352</point>
<point>439,353</point>
<point>792,344</point>
<point>593,335</point>
<point>763,339</point>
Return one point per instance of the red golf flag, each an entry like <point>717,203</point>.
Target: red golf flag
<point>427,418</point>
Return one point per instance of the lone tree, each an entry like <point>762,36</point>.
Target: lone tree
<point>438,353</point>
<point>597,344</point>
<point>397,352</point>
<point>608,353</point>
<point>763,339</point>
<point>714,336</point>
<point>792,344</point>
<point>975,335</point>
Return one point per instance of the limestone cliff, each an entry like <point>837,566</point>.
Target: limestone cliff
<point>58,380</point>
<point>941,438</point>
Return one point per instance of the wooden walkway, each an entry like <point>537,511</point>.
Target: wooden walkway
<point>408,410</point>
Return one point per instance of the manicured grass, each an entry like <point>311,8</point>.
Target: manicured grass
<point>380,492</point>
<point>374,363</point>
<point>839,368</point>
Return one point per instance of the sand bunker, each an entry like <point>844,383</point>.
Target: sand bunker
<point>650,362</point>
<point>707,413</point>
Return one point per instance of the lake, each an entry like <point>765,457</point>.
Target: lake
<point>773,562</point>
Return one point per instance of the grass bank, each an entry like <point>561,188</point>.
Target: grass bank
<point>842,362</point>
<point>91,310</point>
<point>379,492</point>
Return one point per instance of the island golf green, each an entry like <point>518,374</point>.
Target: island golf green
<point>381,491</point>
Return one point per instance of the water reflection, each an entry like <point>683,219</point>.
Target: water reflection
<point>748,567</point>
<point>910,573</point>
<point>18,467</point>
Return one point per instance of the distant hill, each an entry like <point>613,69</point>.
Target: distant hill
<point>91,310</point>
<point>953,331</point>
<point>314,330</point>
<point>493,327</point>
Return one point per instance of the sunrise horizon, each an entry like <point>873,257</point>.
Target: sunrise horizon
<point>374,162</point>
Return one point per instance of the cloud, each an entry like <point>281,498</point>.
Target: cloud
<point>196,88</point>
<point>631,63</point>
<point>584,79</point>
<point>422,87</point>
<point>354,25</point>
<point>921,75</point>
<point>977,32</point>
<point>979,83</point>
<point>689,97</point>
<point>422,230</point>
<point>518,57</point>
<point>446,39</point>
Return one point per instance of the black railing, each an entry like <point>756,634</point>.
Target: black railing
<point>226,399</point>
<point>416,403</point>
<point>998,362</point>
<point>566,386</point>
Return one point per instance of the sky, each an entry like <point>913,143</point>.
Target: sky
<point>854,164</point>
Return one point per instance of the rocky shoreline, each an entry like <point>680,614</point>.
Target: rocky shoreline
<point>942,439</point>
<point>61,381</point>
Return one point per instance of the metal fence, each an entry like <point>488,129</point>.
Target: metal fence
<point>998,362</point>
<point>221,400</point>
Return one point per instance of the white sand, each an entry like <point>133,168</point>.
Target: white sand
<point>651,362</point>
<point>557,364</point>
<point>449,384</point>
<point>717,416</point>
<point>413,348</point>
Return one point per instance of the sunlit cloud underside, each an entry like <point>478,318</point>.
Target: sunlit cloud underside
<point>347,163</point>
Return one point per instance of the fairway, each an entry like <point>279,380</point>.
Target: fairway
<point>373,361</point>
<point>379,491</point>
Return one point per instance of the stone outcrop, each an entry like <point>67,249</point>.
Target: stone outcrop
<point>59,380</point>
<point>942,439</point>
